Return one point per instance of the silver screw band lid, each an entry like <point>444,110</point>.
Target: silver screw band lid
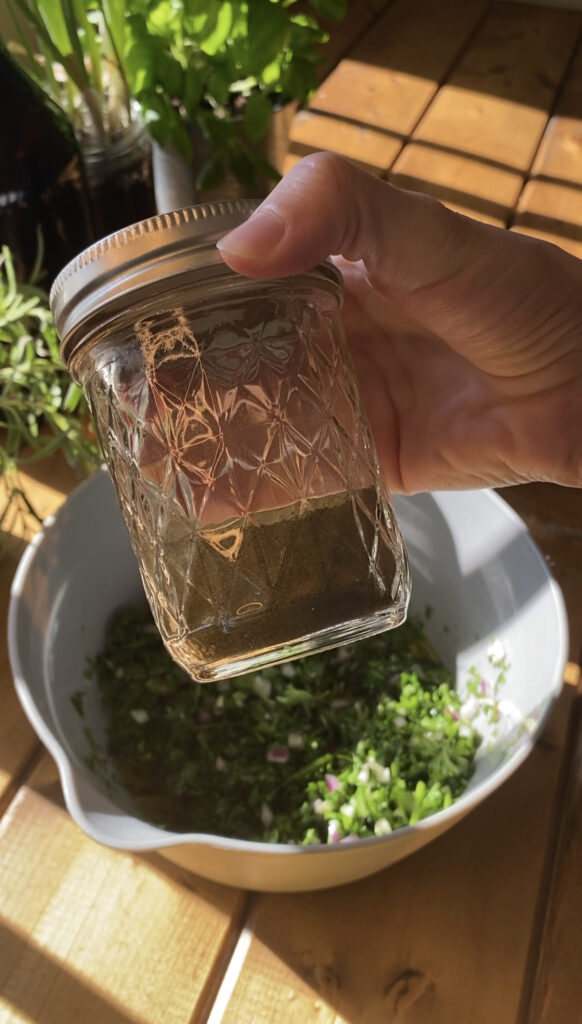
<point>136,257</point>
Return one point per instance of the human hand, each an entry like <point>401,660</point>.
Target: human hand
<point>467,339</point>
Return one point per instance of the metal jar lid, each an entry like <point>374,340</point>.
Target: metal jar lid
<point>141,256</point>
<point>108,275</point>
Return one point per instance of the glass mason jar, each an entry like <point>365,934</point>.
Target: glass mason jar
<point>119,172</point>
<point>230,420</point>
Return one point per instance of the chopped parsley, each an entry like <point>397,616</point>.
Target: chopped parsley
<point>353,742</point>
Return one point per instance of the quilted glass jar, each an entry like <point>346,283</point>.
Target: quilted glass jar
<point>230,420</point>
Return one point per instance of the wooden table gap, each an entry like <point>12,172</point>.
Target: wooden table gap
<point>214,982</point>
<point>20,779</point>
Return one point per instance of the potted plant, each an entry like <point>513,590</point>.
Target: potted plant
<point>218,84</point>
<point>75,49</point>
<point>42,411</point>
<point>208,77</point>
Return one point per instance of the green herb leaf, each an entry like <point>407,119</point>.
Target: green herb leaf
<point>140,65</point>
<point>41,411</point>
<point>212,172</point>
<point>268,28</point>
<point>155,112</point>
<point>331,10</point>
<point>218,88</point>
<point>53,16</point>
<point>193,86</point>
<point>217,28</point>
<point>257,115</point>
<point>352,742</point>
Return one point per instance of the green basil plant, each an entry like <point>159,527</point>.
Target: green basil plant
<point>218,66</point>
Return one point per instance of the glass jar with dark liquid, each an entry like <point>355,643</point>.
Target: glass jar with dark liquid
<point>231,423</point>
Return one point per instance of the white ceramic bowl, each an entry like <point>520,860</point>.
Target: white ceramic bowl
<point>473,563</point>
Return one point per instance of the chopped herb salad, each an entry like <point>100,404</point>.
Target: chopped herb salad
<point>346,744</point>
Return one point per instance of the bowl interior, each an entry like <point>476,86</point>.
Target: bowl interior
<point>474,566</point>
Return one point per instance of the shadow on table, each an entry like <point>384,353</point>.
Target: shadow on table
<point>20,955</point>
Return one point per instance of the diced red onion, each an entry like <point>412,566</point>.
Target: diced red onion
<point>278,755</point>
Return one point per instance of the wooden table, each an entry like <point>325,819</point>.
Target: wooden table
<point>480,104</point>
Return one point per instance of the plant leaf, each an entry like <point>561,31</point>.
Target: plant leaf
<point>268,28</point>
<point>171,75</point>
<point>218,88</point>
<point>72,30</point>
<point>217,37</point>
<point>90,41</point>
<point>53,16</point>
<point>331,10</point>
<point>164,19</point>
<point>256,117</point>
<point>271,74</point>
<point>212,172</point>
<point>115,20</point>
<point>155,111</point>
<point>140,63</point>
<point>178,135</point>
<point>243,167</point>
<point>193,85</point>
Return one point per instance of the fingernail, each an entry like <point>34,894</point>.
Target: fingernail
<point>255,238</point>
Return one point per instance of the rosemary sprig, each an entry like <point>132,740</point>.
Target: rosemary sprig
<point>41,410</point>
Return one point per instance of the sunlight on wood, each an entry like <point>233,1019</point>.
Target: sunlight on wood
<point>44,485</point>
<point>139,939</point>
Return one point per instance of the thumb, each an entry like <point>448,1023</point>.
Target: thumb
<point>325,206</point>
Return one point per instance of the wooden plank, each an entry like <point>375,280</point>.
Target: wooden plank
<point>560,151</point>
<point>371,150</point>
<point>573,674</point>
<point>473,187</point>
<point>441,937</point>
<point>377,5</point>
<point>546,503</point>
<point>557,990</point>
<point>344,33</point>
<point>550,206</point>
<point>496,103</point>
<point>394,71</point>
<point>93,934</point>
<point>563,552</point>
<point>559,157</point>
<point>575,5</point>
<point>46,486</point>
<point>554,517</point>
<point>553,213</point>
